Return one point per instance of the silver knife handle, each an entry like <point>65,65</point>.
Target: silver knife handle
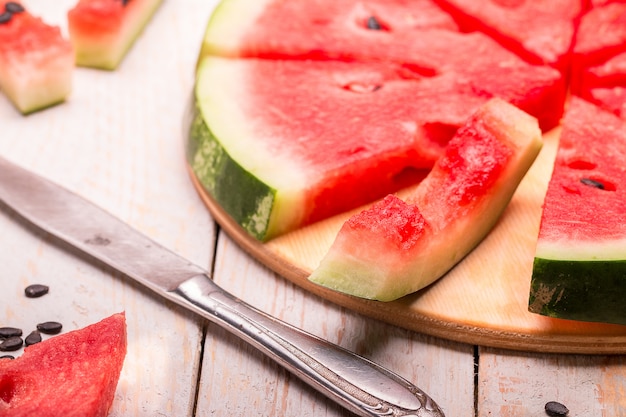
<point>354,382</point>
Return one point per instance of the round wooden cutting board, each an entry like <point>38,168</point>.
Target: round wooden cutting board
<point>482,301</point>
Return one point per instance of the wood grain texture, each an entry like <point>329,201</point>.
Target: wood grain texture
<point>441,368</point>
<point>483,300</point>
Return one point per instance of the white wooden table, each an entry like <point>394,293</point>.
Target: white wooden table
<point>119,142</point>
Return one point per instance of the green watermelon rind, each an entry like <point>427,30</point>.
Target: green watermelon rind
<point>579,290</point>
<point>219,174</point>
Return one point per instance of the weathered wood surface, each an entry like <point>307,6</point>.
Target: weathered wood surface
<point>118,141</point>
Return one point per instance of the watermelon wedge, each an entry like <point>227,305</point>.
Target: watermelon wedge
<point>337,30</point>
<point>102,31</point>
<point>605,85</point>
<point>400,246</point>
<point>36,62</point>
<point>338,134</point>
<point>579,271</point>
<point>540,31</point>
<point>73,374</point>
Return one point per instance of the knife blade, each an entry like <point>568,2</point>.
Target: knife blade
<point>352,381</point>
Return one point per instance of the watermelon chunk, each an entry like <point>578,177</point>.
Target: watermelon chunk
<point>579,271</point>
<point>36,62</point>
<point>540,31</point>
<point>73,374</point>
<point>338,134</point>
<point>605,85</point>
<point>102,31</point>
<point>400,246</point>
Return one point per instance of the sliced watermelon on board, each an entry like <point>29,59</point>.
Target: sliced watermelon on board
<point>579,271</point>
<point>102,31</point>
<point>540,31</point>
<point>72,375</point>
<point>335,30</point>
<point>283,143</point>
<point>400,246</point>
<point>36,61</point>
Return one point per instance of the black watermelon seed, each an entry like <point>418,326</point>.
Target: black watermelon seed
<point>592,183</point>
<point>555,409</point>
<point>373,23</point>
<point>6,332</point>
<point>7,357</point>
<point>50,327</point>
<point>13,7</point>
<point>36,290</point>
<point>5,17</point>
<point>11,344</point>
<point>32,338</point>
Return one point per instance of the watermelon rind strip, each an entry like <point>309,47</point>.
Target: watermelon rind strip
<point>579,290</point>
<point>223,178</point>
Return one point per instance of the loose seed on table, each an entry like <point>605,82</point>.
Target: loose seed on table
<point>556,409</point>
<point>32,338</point>
<point>36,290</point>
<point>50,327</point>
<point>6,332</point>
<point>11,344</point>
<point>7,357</point>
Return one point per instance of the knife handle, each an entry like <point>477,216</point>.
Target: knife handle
<point>352,381</point>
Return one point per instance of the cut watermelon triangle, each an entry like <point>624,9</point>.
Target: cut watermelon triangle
<point>71,375</point>
<point>400,246</point>
<point>579,270</point>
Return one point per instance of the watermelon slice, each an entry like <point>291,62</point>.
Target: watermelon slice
<point>338,134</point>
<point>36,62</point>
<point>540,31</point>
<point>102,31</point>
<point>73,374</point>
<point>579,270</point>
<point>337,30</point>
<point>398,247</point>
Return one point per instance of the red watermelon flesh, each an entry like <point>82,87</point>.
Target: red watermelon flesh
<point>102,31</point>
<point>601,36</point>
<point>36,62</point>
<point>605,85</point>
<point>315,33</point>
<point>71,375</point>
<point>397,247</point>
<point>540,31</point>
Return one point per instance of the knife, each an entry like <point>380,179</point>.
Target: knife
<point>354,382</point>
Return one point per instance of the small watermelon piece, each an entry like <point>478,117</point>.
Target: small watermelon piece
<point>73,374</point>
<point>400,246</point>
<point>284,143</point>
<point>36,62</point>
<point>102,31</point>
<point>579,270</point>
<point>540,31</point>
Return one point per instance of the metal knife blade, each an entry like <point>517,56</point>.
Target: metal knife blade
<point>352,381</point>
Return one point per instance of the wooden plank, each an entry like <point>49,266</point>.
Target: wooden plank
<point>118,142</point>
<point>516,384</point>
<point>237,380</point>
